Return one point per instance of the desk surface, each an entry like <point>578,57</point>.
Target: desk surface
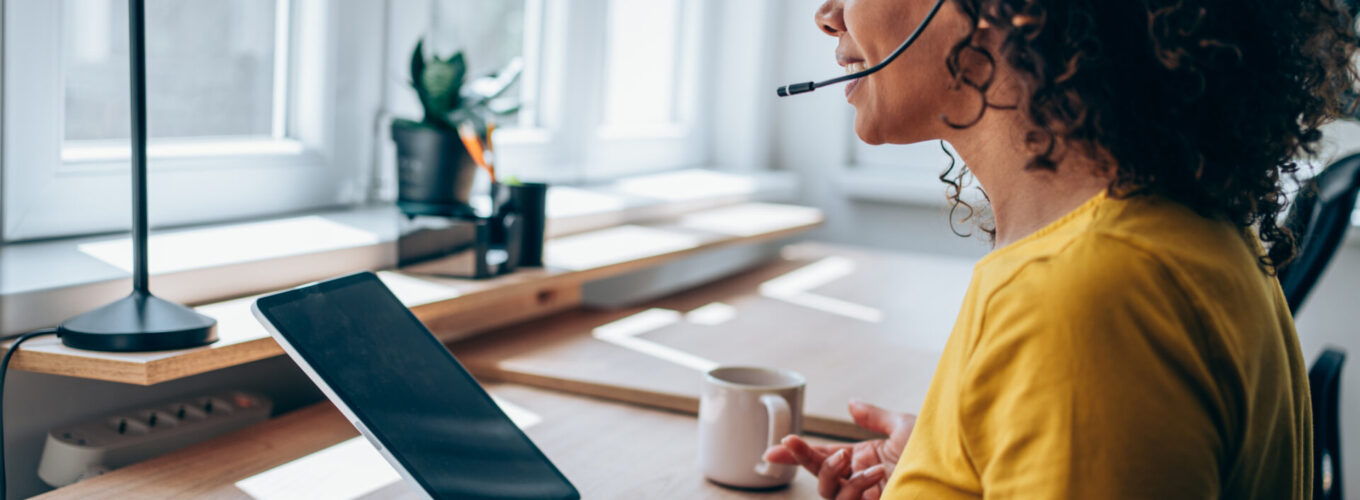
<point>855,322</point>
<point>608,450</point>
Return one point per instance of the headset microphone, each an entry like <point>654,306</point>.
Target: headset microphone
<point>799,88</point>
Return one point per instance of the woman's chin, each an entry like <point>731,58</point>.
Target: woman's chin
<point>874,133</point>
<point>868,133</point>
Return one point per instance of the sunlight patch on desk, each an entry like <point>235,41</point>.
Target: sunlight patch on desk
<point>809,277</point>
<point>751,219</point>
<point>834,306</point>
<point>686,185</point>
<point>217,246</point>
<point>521,416</point>
<point>624,333</point>
<point>614,245</point>
<point>637,324</point>
<point>712,314</point>
<point>566,201</point>
<point>351,469</point>
<point>793,287</point>
<point>413,291</point>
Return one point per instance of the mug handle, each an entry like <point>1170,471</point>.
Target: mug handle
<point>781,424</point>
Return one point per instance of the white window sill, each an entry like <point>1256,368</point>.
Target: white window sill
<point>907,186</point>
<point>43,283</point>
<point>904,185</point>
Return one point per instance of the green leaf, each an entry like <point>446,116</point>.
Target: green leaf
<point>459,64</point>
<point>417,81</point>
<point>418,61</point>
<point>438,83</point>
<point>438,80</point>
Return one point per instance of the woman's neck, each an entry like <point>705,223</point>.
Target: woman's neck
<point>1024,201</point>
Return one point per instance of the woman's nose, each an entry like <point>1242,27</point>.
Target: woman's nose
<point>830,17</point>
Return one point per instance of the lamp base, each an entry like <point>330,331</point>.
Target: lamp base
<point>139,322</point>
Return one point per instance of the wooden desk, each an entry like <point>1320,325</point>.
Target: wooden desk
<point>608,450</point>
<point>855,322</point>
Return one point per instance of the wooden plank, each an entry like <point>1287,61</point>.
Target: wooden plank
<point>453,308</point>
<point>828,333</point>
<point>594,443</point>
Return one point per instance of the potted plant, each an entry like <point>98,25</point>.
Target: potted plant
<point>434,170</point>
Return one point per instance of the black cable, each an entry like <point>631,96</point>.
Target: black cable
<point>4,367</point>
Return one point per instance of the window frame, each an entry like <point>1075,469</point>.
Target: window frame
<point>563,142</point>
<point>192,181</point>
<point>619,151</point>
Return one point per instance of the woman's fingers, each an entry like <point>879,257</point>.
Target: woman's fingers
<point>874,418</point>
<point>778,454</point>
<point>860,483</point>
<point>834,470</point>
<point>781,454</point>
<point>804,454</point>
<point>865,455</point>
<point>872,493</point>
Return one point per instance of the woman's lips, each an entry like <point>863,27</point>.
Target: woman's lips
<point>851,68</point>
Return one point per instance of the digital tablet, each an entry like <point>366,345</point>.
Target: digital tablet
<point>404,392</point>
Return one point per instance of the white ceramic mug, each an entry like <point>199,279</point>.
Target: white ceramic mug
<point>743,411</point>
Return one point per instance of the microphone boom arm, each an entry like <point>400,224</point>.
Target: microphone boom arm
<point>800,88</point>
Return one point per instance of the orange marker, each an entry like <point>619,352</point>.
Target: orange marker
<point>474,147</point>
<point>490,127</point>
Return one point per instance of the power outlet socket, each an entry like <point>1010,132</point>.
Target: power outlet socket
<point>103,444</point>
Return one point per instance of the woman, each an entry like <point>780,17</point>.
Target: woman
<point>1127,337</point>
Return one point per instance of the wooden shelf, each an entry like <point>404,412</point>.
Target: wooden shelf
<point>452,308</point>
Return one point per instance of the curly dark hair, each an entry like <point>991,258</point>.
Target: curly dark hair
<point>1208,102</point>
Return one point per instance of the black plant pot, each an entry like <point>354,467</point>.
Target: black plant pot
<point>434,171</point>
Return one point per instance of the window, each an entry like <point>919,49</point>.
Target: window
<point>493,36</point>
<point>610,87</point>
<point>640,81</point>
<point>255,107</point>
<point>650,82</point>
<point>212,71</point>
<point>264,107</point>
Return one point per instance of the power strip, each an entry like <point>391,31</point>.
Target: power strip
<point>102,444</point>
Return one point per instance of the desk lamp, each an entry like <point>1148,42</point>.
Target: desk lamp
<point>140,321</point>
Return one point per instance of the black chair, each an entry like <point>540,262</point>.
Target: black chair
<point>1325,379</point>
<point>1320,216</point>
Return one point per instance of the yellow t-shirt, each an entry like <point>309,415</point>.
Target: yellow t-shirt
<point>1131,349</point>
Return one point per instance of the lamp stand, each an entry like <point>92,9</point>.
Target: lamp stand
<point>140,321</point>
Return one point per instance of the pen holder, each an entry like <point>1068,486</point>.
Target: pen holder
<point>529,202</point>
<point>531,199</point>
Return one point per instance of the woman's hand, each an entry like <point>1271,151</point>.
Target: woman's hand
<point>851,471</point>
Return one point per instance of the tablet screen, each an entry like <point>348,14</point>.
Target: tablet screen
<point>409,392</point>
